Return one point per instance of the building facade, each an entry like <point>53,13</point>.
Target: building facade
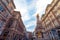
<point>39,29</point>
<point>17,29</point>
<point>30,35</point>
<point>11,24</point>
<point>6,10</point>
<point>51,21</point>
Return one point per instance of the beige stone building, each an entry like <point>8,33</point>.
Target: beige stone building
<point>51,21</point>
<point>39,28</point>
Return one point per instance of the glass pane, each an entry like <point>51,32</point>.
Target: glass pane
<point>1,8</point>
<point>0,32</point>
<point>1,23</point>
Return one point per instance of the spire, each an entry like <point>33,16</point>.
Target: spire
<point>37,16</point>
<point>38,21</point>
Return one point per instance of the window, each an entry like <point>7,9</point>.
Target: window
<point>6,33</point>
<point>10,9</point>
<point>47,22</point>
<point>56,23</point>
<point>53,32</point>
<point>59,18</point>
<point>0,32</point>
<point>43,24</point>
<point>57,14</point>
<point>1,23</point>
<point>9,23</point>
<point>52,17</point>
<point>1,8</point>
<point>5,2</point>
<point>59,34</point>
<point>9,1</point>
<point>6,15</point>
<point>16,37</point>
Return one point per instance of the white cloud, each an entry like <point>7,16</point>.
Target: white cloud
<point>32,5</point>
<point>31,30</point>
<point>31,23</point>
<point>41,5</point>
<point>21,5</point>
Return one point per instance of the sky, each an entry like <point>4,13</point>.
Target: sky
<point>29,9</point>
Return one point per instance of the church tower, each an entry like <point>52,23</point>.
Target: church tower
<point>39,25</point>
<point>38,29</point>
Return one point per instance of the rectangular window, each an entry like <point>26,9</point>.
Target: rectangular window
<point>5,2</point>
<point>57,14</point>
<point>6,15</point>
<point>0,32</point>
<point>1,8</point>
<point>56,23</point>
<point>9,1</point>
<point>43,24</point>
<point>1,24</point>
<point>59,18</point>
<point>10,8</point>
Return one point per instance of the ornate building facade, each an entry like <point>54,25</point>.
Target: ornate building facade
<point>39,28</point>
<point>6,10</point>
<point>29,35</point>
<point>51,21</point>
<point>11,24</point>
